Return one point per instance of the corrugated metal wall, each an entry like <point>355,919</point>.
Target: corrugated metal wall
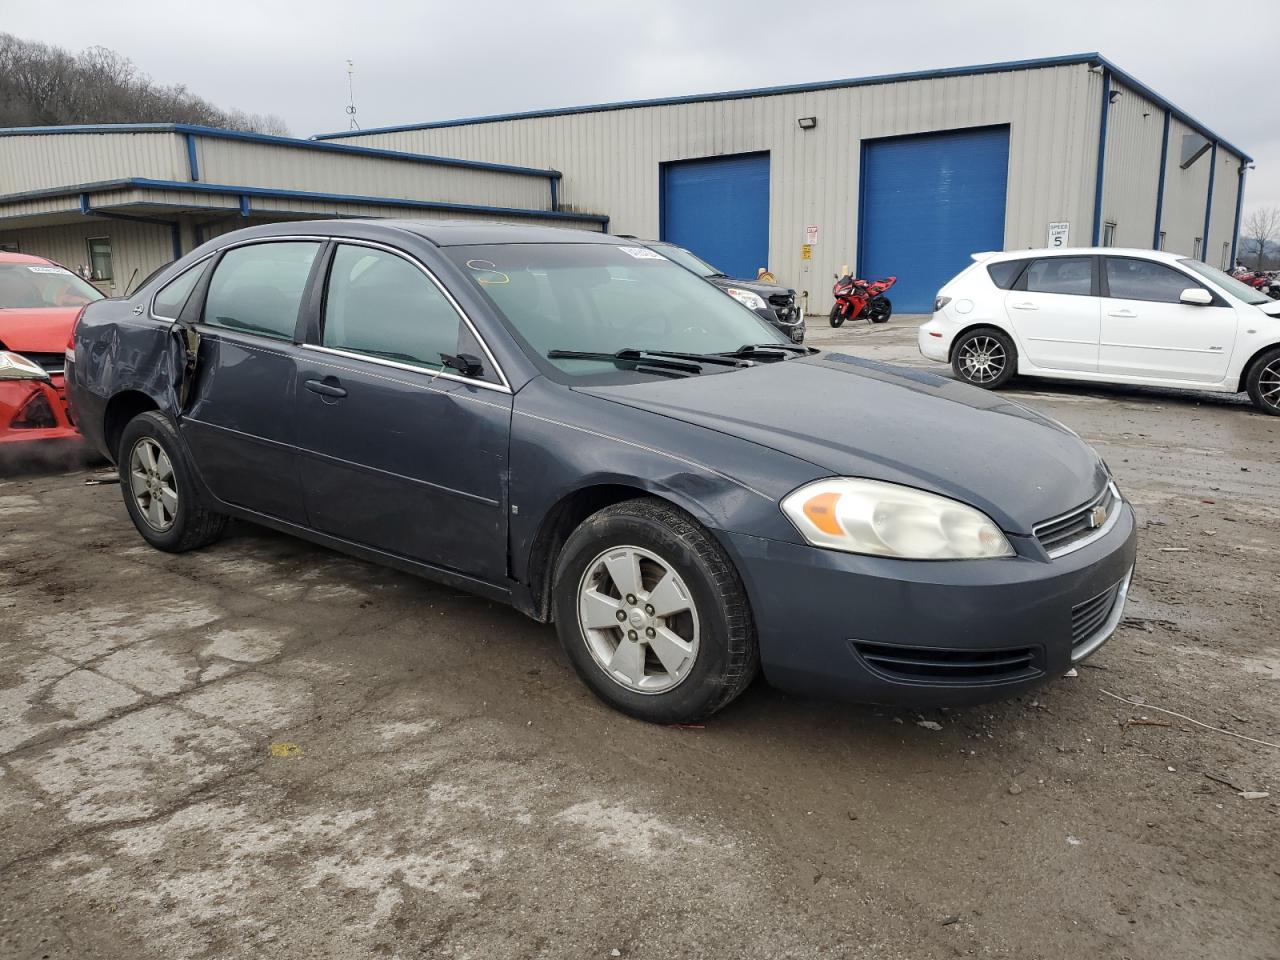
<point>611,159</point>
<point>1135,130</point>
<point>1185,192</point>
<point>298,168</point>
<point>1222,225</point>
<point>139,247</point>
<point>40,162</point>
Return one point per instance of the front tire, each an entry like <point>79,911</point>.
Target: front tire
<point>1263,383</point>
<point>985,358</point>
<point>652,614</point>
<point>836,317</point>
<point>159,487</point>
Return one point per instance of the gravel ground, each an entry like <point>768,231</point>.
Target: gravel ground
<point>268,749</point>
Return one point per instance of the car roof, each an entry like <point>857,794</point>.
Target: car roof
<point>442,233</point>
<point>1000,255</point>
<point>7,257</point>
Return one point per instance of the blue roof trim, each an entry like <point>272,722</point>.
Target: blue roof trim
<point>143,183</point>
<point>218,133</point>
<point>1003,67</point>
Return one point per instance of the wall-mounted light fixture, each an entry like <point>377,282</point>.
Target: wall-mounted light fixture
<point>807,123</point>
<point>1115,95</point>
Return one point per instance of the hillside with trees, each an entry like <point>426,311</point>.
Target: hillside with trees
<point>44,85</point>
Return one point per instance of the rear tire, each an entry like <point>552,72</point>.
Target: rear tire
<point>652,614</point>
<point>159,488</point>
<point>836,317</point>
<point>985,358</point>
<point>1263,382</point>
<point>880,310</point>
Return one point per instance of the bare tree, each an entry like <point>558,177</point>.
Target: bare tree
<point>1260,228</point>
<point>43,85</point>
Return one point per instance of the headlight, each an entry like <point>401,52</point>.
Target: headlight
<point>14,366</point>
<point>746,298</point>
<point>889,520</point>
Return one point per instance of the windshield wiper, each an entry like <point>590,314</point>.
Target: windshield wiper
<point>631,357</point>
<point>748,350</point>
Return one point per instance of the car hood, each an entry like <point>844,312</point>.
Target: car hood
<point>1271,309</point>
<point>854,417</point>
<point>43,330</point>
<point>765,290</point>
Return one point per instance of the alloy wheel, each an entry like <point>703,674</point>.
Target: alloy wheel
<point>1269,384</point>
<point>982,359</point>
<point>152,483</point>
<point>638,619</point>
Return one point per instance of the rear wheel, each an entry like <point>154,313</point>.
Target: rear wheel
<point>1263,383</point>
<point>836,317</point>
<point>159,490</point>
<point>652,613</point>
<point>880,310</point>
<point>985,358</point>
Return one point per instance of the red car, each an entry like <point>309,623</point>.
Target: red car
<point>39,303</point>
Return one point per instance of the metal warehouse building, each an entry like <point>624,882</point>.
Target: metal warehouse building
<point>905,174</point>
<point>120,200</point>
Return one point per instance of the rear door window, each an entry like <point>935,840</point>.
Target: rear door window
<point>1144,280</point>
<point>258,288</point>
<point>1067,275</point>
<point>173,296</point>
<point>381,305</point>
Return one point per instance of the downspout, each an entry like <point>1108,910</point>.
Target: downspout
<point>1235,237</point>
<point>1164,162</point>
<point>555,193</point>
<point>1102,156</point>
<point>1208,204</point>
<point>193,164</point>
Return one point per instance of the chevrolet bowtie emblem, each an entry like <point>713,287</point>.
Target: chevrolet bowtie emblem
<point>1097,517</point>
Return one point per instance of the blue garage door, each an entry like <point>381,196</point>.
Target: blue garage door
<point>927,203</point>
<point>719,209</point>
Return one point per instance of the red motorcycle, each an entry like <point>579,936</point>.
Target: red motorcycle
<point>1262,282</point>
<point>856,299</point>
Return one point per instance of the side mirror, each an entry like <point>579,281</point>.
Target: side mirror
<point>464,363</point>
<point>1196,297</point>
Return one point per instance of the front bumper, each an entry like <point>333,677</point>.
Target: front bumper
<point>32,411</point>
<point>790,320</point>
<point>915,633</point>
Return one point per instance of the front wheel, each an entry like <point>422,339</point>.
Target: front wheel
<point>837,317</point>
<point>159,488</point>
<point>1263,383</point>
<point>652,614</point>
<point>984,358</point>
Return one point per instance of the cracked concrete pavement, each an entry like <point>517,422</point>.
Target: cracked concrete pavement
<point>265,748</point>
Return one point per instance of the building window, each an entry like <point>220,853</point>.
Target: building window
<point>1195,253</point>
<point>1109,235</point>
<point>1226,256</point>
<point>100,258</point>
<point>1162,235</point>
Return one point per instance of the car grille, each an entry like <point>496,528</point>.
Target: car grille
<point>784,307</point>
<point>1089,617</point>
<point>1074,529</point>
<point>51,363</point>
<point>782,299</point>
<point>930,665</point>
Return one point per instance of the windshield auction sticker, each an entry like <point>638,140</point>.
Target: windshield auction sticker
<point>38,269</point>
<point>642,253</point>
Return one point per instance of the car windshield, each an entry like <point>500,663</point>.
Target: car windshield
<point>689,261</point>
<point>1241,291</point>
<point>603,298</point>
<point>29,286</point>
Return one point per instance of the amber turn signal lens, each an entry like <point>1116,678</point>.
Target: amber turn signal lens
<point>821,511</point>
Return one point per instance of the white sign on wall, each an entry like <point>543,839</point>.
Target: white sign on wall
<point>810,235</point>
<point>1058,234</point>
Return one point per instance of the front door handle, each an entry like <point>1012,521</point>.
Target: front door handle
<point>328,387</point>
<point>1123,314</point>
<point>1025,306</point>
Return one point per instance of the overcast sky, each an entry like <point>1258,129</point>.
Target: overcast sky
<point>418,60</point>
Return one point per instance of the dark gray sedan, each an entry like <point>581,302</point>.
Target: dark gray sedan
<point>577,426</point>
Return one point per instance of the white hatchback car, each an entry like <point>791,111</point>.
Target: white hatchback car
<point>1109,316</point>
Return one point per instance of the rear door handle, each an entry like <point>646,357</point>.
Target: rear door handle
<point>1125,314</point>
<point>328,387</point>
<point>1025,306</point>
